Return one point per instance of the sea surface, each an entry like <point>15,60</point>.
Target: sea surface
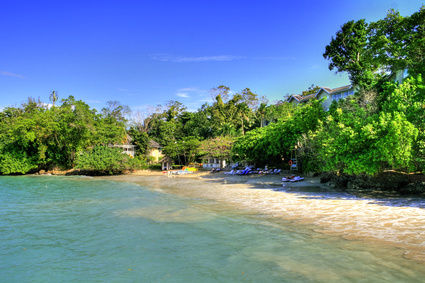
<point>82,229</point>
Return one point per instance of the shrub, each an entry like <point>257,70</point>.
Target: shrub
<point>105,160</point>
<point>16,163</point>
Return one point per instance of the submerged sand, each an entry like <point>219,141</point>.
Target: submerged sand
<point>352,218</point>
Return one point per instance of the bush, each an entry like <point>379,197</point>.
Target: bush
<point>16,163</point>
<point>155,167</point>
<point>106,160</point>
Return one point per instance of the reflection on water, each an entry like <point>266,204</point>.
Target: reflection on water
<point>163,213</point>
<point>70,229</point>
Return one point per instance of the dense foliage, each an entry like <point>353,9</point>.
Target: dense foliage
<point>381,127</point>
<point>35,136</point>
<point>105,160</point>
<point>369,51</point>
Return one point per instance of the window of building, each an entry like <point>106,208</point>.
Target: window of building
<point>405,74</point>
<point>342,95</point>
<point>337,96</point>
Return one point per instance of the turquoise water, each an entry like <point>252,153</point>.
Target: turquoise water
<point>80,229</point>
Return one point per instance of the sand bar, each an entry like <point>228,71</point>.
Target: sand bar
<point>370,220</point>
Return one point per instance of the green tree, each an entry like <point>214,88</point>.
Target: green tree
<point>366,51</point>
<point>348,51</point>
<point>184,151</point>
<point>219,147</point>
<point>54,97</point>
<point>397,42</point>
<point>140,140</point>
<point>222,91</point>
<point>277,139</point>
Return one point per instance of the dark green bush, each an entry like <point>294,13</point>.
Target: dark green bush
<point>105,160</point>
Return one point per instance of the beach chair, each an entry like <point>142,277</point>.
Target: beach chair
<point>232,172</point>
<point>245,172</point>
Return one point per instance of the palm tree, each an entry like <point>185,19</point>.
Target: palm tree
<point>243,111</point>
<point>54,97</point>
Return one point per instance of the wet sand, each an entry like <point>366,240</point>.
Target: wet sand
<point>369,220</point>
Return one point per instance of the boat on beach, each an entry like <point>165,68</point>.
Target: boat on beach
<point>292,179</point>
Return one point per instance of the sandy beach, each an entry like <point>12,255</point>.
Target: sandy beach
<point>371,220</point>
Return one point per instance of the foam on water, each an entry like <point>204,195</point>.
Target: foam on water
<point>66,229</point>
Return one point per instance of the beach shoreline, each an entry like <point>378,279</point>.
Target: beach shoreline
<point>351,218</point>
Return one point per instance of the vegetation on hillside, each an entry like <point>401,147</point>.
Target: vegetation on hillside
<point>380,127</point>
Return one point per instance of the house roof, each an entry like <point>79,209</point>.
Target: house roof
<point>308,97</point>
<point>154,144</point>
<point>297,97</point>
<point>300,98</point>
<point>338,89</point>
<point>128,139</point>
<point>166,159</point>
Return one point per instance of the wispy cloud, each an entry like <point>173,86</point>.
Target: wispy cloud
<point>194,89</point>
<point>275,58</point>
<point>190,92</point>
<point>123,89</point>
<point>11,74</point>
<point>217,58</point>
<point>185,59</point>
<point>183,94</point>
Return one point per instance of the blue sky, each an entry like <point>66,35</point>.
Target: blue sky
<point>148,52</point>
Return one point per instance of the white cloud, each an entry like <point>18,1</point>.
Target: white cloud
<point>189,89</point>
<point>48,105</point>
<point>275,58</point>
<point>216,58</point>
<point>194,90</point>
<point>183,59</point>
<point>182,94</point>
<point>187,92</point>
<point>11,74</point>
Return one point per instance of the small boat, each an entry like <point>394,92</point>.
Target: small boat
<point>296,179</point>
<point>292,179</point>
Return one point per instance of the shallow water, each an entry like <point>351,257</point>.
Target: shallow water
<point>80,229</point>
